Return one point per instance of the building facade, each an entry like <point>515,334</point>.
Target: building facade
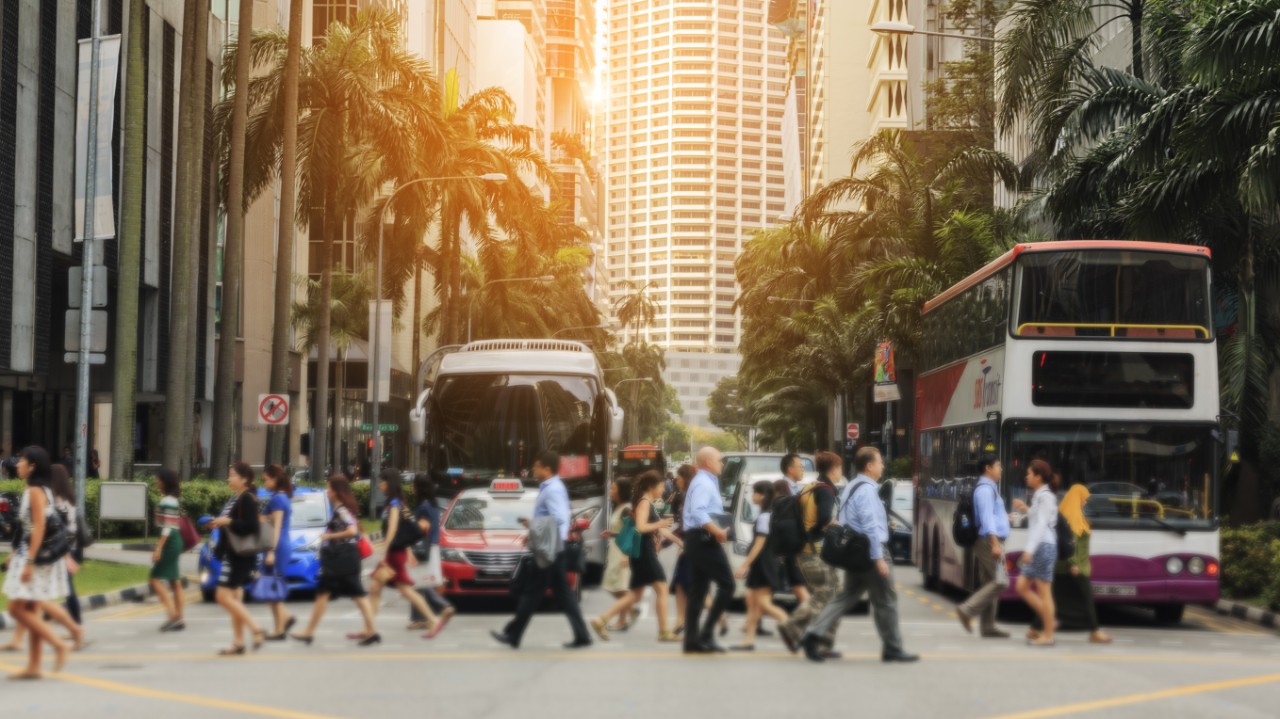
<point>692,136</point>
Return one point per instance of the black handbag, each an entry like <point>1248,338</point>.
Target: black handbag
<point>844,548</point>
<point>339,559</point>
<point>408,533</point>
<point>57,540</point>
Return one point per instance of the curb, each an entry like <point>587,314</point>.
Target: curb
<point>93,602</point>
<point>1249,613</point>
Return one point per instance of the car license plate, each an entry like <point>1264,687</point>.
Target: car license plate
<point>493,575</point>
<point>1116,590</point>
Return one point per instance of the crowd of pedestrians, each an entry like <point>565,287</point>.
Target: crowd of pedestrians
<point>253,547</point>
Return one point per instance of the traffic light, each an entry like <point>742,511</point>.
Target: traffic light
<point>370,444</point>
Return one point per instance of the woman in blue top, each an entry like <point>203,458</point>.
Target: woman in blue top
<point>279,509</point>
<point>428,516</point>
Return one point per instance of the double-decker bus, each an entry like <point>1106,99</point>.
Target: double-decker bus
<point>1098,357</point>
<point>636,459</point>
<point>492,405</point>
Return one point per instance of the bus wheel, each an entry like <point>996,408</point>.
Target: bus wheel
<point>1169,613</point>
<point>930,564</point>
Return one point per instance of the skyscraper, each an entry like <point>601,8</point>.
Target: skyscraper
<point>692,140</point>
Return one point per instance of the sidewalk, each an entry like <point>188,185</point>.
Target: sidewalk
<point>1249,613</point>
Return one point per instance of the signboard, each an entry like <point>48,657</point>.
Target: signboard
<point>886,374</point>
<point>367,427</point>
<point>97,332</point>
<point>122,500</point>
<point>851,431</point>
<point>273,409</point>
<point>380,315</point>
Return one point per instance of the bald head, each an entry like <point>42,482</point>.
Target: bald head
<point>708,458</point>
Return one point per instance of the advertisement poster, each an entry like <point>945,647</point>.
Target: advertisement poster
<point>886,374</point>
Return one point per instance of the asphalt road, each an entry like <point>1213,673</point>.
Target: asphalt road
<point>1209,666</point>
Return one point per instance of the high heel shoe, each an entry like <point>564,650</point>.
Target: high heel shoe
<point>301,638</point>
<point>370,640</point>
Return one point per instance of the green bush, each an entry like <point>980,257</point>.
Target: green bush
<point>199,497</point>
<point>900,468</point>
<point>1251,562</point>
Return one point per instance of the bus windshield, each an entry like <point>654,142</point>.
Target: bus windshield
<point>1113,294</point>
<point>1137,474</point>
<point>483,426</point>
<point>635,461</point>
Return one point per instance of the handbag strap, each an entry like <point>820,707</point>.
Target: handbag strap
<point>853,488</point>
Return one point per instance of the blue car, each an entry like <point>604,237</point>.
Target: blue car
<point>310,515</point>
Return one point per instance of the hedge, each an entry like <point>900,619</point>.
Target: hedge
<point>1251,562</point>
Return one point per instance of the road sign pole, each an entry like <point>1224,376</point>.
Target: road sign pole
<point>86,261</point>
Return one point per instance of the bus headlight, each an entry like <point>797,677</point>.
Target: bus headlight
<point>1195,565</point>
<point>1173,565</point>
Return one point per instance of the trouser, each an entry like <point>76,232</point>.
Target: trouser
<point>823,581</point>
<point>435,600</point>
<point>992,582</point>
<point>535,589</point>
<point>707,564</point>
<point>73,602</point>
<point>884,605</point>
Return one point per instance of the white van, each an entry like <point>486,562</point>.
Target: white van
<point>741,470</point>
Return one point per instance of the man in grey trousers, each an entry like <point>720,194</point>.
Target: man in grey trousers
<point>860,509</point>
<point>993,529</point>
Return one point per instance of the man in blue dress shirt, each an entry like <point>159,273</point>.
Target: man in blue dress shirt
<point>553,501</point>
<point>861,510</point>
<point>706,558</point>
<point>993,529</point>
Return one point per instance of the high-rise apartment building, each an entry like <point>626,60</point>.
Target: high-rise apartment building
<point>692,141</point>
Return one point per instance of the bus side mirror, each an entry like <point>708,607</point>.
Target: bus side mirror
<point>616,416</point>
<point>991,433</point>
<point>418,419</point>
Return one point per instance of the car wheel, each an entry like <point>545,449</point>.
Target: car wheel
<point>1170,613</point>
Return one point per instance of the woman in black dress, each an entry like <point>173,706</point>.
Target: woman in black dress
<point>239,517</point>
<point>340,564</point>
<point>646,570</point>
<point>761,568</point>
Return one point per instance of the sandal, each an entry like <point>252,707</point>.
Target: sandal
<point>600,629</point>
<point>1041,642</point>
<point>668,637</point>
<point>1100,638</point>
<point>234,650</point>
<point>258,638</point>
<point>24,676</point>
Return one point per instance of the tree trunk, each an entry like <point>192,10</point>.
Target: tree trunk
<point>456,308</point>
<point>284,251</point>
<point>224,425</point>
<point>198,224</point>
<point>130,249</point>
<point>1135,27</point>
<point>320,430</point>
<point>187,197</point>
<point>337,410</point>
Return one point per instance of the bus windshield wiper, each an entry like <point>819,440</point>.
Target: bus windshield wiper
<point>1181,532</point>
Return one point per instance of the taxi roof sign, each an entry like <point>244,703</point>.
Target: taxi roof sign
<point>506,486</point>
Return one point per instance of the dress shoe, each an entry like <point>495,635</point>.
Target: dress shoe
<point>994,634</point>
<point>902,657</point>
<point>577,644</point>
<point>712,647</point>
<point>812,651</point>
<point>504,638</point>
<point>966,621</point>
<point>831,655</point>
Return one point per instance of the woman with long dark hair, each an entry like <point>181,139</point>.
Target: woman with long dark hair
<point>1035,583</point>
<point>617,566</point>
<point>280,509</point>
<point>646,571</point>
<point>166,575</point>
<point>427,515</point>
<point>393,570</point>
<point>64,501</point>
<point>239,517</point>
<point>30,582</point>
<point>760,568</point>
<point>340,563</point>
<point>680,572</point>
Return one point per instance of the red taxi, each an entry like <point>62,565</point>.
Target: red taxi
<point>482,539</point>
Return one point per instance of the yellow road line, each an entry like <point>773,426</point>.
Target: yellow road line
<point>192,699</point>
<point>145,609</point>
<point>1142,698</point>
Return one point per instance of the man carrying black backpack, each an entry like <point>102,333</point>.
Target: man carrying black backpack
<point>817,503</point>
<point>993,528</point>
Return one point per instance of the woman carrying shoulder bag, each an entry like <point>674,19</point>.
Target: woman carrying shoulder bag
<point>393,570</point>
<point>238,517</point>
<point>340,563</point>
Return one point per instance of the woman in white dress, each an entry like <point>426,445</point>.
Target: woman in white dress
<point>28,583</point>
<point>617,571</point>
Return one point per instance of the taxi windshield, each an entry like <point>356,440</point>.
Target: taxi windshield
<point>477,513</point>
<point>308,511</point>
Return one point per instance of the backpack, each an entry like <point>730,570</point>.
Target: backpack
<point>1066,538</point>
<point>964,523</point>
<point>786,525</point>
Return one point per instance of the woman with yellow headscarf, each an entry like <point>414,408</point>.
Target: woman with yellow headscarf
<point>1072,589</point>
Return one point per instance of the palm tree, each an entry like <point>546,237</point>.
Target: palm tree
<point>367,117</point>
<point>130,248</point>
<point>635,309</point>
<point>189,201</point>
<point>347,318</point>
<point>284,252</point>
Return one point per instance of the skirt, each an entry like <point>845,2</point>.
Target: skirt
<point>48,583</point>
<point>617,577</point>
<point>1040,567</point>
<point>237,571</point>
<point>398,560</point>
<point>166,568</point>
<point>764,573</point>
<point>645,570</point>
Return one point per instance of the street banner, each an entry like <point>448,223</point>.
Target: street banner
<point>104,219</point>
<point>886,374</point>
<point>382,373</point>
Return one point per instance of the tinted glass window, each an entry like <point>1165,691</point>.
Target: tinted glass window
<point>486,513</point>
<point>1113,379</point>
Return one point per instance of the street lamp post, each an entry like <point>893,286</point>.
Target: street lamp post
<point>471,302</point>
<point>375,361</point>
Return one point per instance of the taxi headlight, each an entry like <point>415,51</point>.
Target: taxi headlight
<point>1173,565</point>
<point>449,554</point>
<point>1195,565</point>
